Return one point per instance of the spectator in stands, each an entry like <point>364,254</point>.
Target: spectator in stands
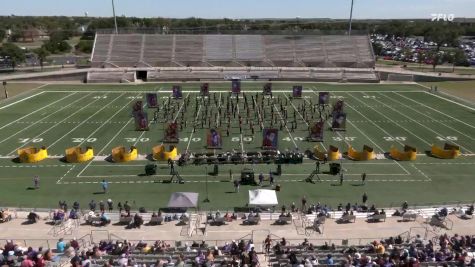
<point>60,245</point>
<point>73,214</point>
<point>127,207</point>
<point>329,260</point>
<point>76,205</point>
<point>105,220</point>
<point>138,221</point>
<point>119,206</point>
<point>123,261</point>
<point>102,206</point>
<point>92,205</point>
<point>74,244</point>
<point>110,204</point>
<point>470,210</point>
<point>33,217</point>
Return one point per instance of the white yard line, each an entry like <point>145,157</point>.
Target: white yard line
<point>436,121</point>
<point>40,121</point>
<point>423,140</point>
<point>52,127</point>
<point>437,133</point>
<point>415,101</point>
<point>191,135</point>
<point>26,98</point>
<point>448,100</point>
<point>296,109</point>
<point>240,135</point>
<point>181,107</point>
<point>259,114</point>
<point>84,121</point>
<point>329,123</point>
<point>282,120</point>
<point>35,111</point>
<point>104,147</point>
<point>227,91</point>
<point>382,150</point>
<point>104,123</point>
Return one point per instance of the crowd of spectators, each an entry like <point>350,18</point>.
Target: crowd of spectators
<point>455,250</point>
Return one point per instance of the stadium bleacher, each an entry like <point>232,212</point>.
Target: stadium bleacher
<point>333,58</point>
<point>278,50</point>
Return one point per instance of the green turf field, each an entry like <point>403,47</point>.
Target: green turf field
<point>62,116</point>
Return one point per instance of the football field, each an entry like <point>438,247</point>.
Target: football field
<point>379,116</point>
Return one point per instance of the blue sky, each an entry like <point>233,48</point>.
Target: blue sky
<point>242,8</point>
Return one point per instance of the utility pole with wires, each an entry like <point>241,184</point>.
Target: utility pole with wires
<point>351,17</point>
<point>115,18</point>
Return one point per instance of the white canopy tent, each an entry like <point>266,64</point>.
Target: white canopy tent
<point>263,197</point>
<point>183,200</point>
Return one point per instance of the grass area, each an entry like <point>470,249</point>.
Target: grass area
<point>15,89</point>
<point>461,89</point>
<point>428,68</point>
<point>379,116</point>
<point>444,69</point>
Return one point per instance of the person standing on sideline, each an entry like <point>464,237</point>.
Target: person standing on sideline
<point>271,178</point>
<point>172,166</point>
<point>105,186</point>
<point>110,205</point>
<point>236,186</point>
<point>36,182</point>
<point>365,198</point>
<point>341,178</point>
<point>363,178</point>
<point>317,166</point>
<point>261,178</point>
<point>304,204</point>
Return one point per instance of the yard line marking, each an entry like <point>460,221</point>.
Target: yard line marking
<point>453,118</point>
<point>40,121</point>
<point>227,91</point>
<point>423,140</point>
<point>49,129</point>
<point>64,175</point>
<point>238,112</point>
<point>431,129</point>
<point>191,135</point>
<point>259,113</point>
<point>104,123</point>
<point>421,172</point>
<point>449,100</point>
<point>70,94</point>
<point>382,150</point>
<point>84,121</point>
<point>329,123</point>
<point>282,120</point>
<point>103,148</point>
<point>181,107</point>
<point>445,125</point>
<point>296,109</point>
<point>149,123</point>
<point>23,99</point>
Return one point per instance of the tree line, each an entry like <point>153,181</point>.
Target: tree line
<point>60,28</point>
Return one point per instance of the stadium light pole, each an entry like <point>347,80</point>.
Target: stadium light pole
<point>115,18</point>
<point>351,17</point>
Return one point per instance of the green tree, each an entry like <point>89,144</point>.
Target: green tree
<point>41,53</point>
<point>13,52</point>
<point>85,46</point>
<point>443,34</point>
<point>2,34</point>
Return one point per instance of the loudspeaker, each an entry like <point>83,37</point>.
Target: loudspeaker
<point>335,168</point>
<point>150,169</point>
